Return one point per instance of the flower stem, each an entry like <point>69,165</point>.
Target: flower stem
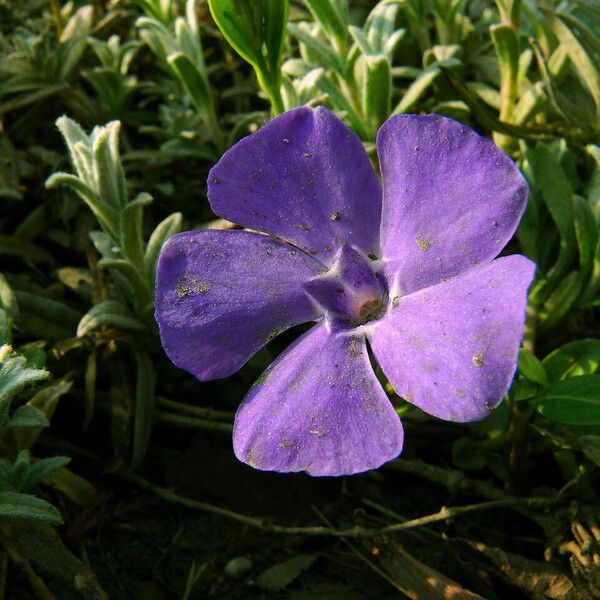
<point>519,434</point>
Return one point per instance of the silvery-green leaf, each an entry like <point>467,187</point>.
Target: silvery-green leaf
<point>42,468</point>
<point>15,375</point>
<point>130,227</point>
<point>144,407</point>
<point>25,506</point>
<point>134,278</point>
<point>417,89</point>
<point>20,469</point>
<point>28,416</point>
<point>163,231</point>
<point>8,300</point>
<point>109,314</point>
<point>333,18</point>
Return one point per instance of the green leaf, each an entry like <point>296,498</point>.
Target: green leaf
<point>51,310</point>
<point>130,226</point>
<point>581,60</point>
<point>187,33</point>
<point>163,231</point>
<point>574,401</point>
<point>107,165</point>
<point>6,325</point>
<point>279,576</point>
<point>14,246</point>
<point>333,21</point>
<point>139,287</point>
<point>524,389</point>
<point>590,446</point>
<point>506,43</point>
<point>490,121</point>
<point>234,19</point>
<point>561,301</point>
<point>551,180</point>
<point>28,416</point>
<point>8,300</point>
<point>571,111</point>
<point>256,31</point>
<point>110,87</point>
<point>586,232</point>
<point>106,215</point>
<point>340,102</point>
<point>531,368</point>
<point>380,28</point>
<point>529,104</point>
<point>581,357</point>
<point>14,376</point>
<point>110,313</point>
<point>32,98</point>
<point>45,400</point>
<point>73,40</point>
<point>416,89</point>
<point>20,469</point>
<point>275,23</point>
<point>76,138</point>
<point>144,407</point>
<point>327,58</point>
<point>42,468</point>
<point>25,506</point>
<point>375,83</point>
<point>196,85</point>
<point>159,9</point>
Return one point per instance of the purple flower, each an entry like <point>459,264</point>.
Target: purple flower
<point>409,268</point>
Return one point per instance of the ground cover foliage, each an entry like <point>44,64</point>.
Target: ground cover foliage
<point>117,477</point>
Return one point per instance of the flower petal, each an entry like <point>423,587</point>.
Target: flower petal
<point>222,295</point>
<point>451,198</point>
<point>452,349</point>
<point>305,177</point>
<point>318,408</point>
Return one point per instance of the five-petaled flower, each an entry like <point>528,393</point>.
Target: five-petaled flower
<point>408,267</point>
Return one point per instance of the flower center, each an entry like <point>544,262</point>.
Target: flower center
<point>350,292</point>
<point>370,310</point>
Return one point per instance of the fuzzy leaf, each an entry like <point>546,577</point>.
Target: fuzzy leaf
<point>144,407</point>
<point>109,314</point>
<point>14,505</point>
<point>163,231</point>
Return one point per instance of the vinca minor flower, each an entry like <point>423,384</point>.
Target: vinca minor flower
<point>407,267</point>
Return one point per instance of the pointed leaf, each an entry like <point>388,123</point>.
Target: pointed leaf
<point>574,401</point>
<point>25,506</point>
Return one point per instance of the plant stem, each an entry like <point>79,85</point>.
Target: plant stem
<point>274,93</point>
<point>353,532</point>
<point>517,464</point>
<point>193,422</point>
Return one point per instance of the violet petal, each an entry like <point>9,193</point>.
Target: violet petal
<point>304,177</point>
<point>318,408</point>
<point>222,295</point>
<point>451,198</point>
<point>451,349</point>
